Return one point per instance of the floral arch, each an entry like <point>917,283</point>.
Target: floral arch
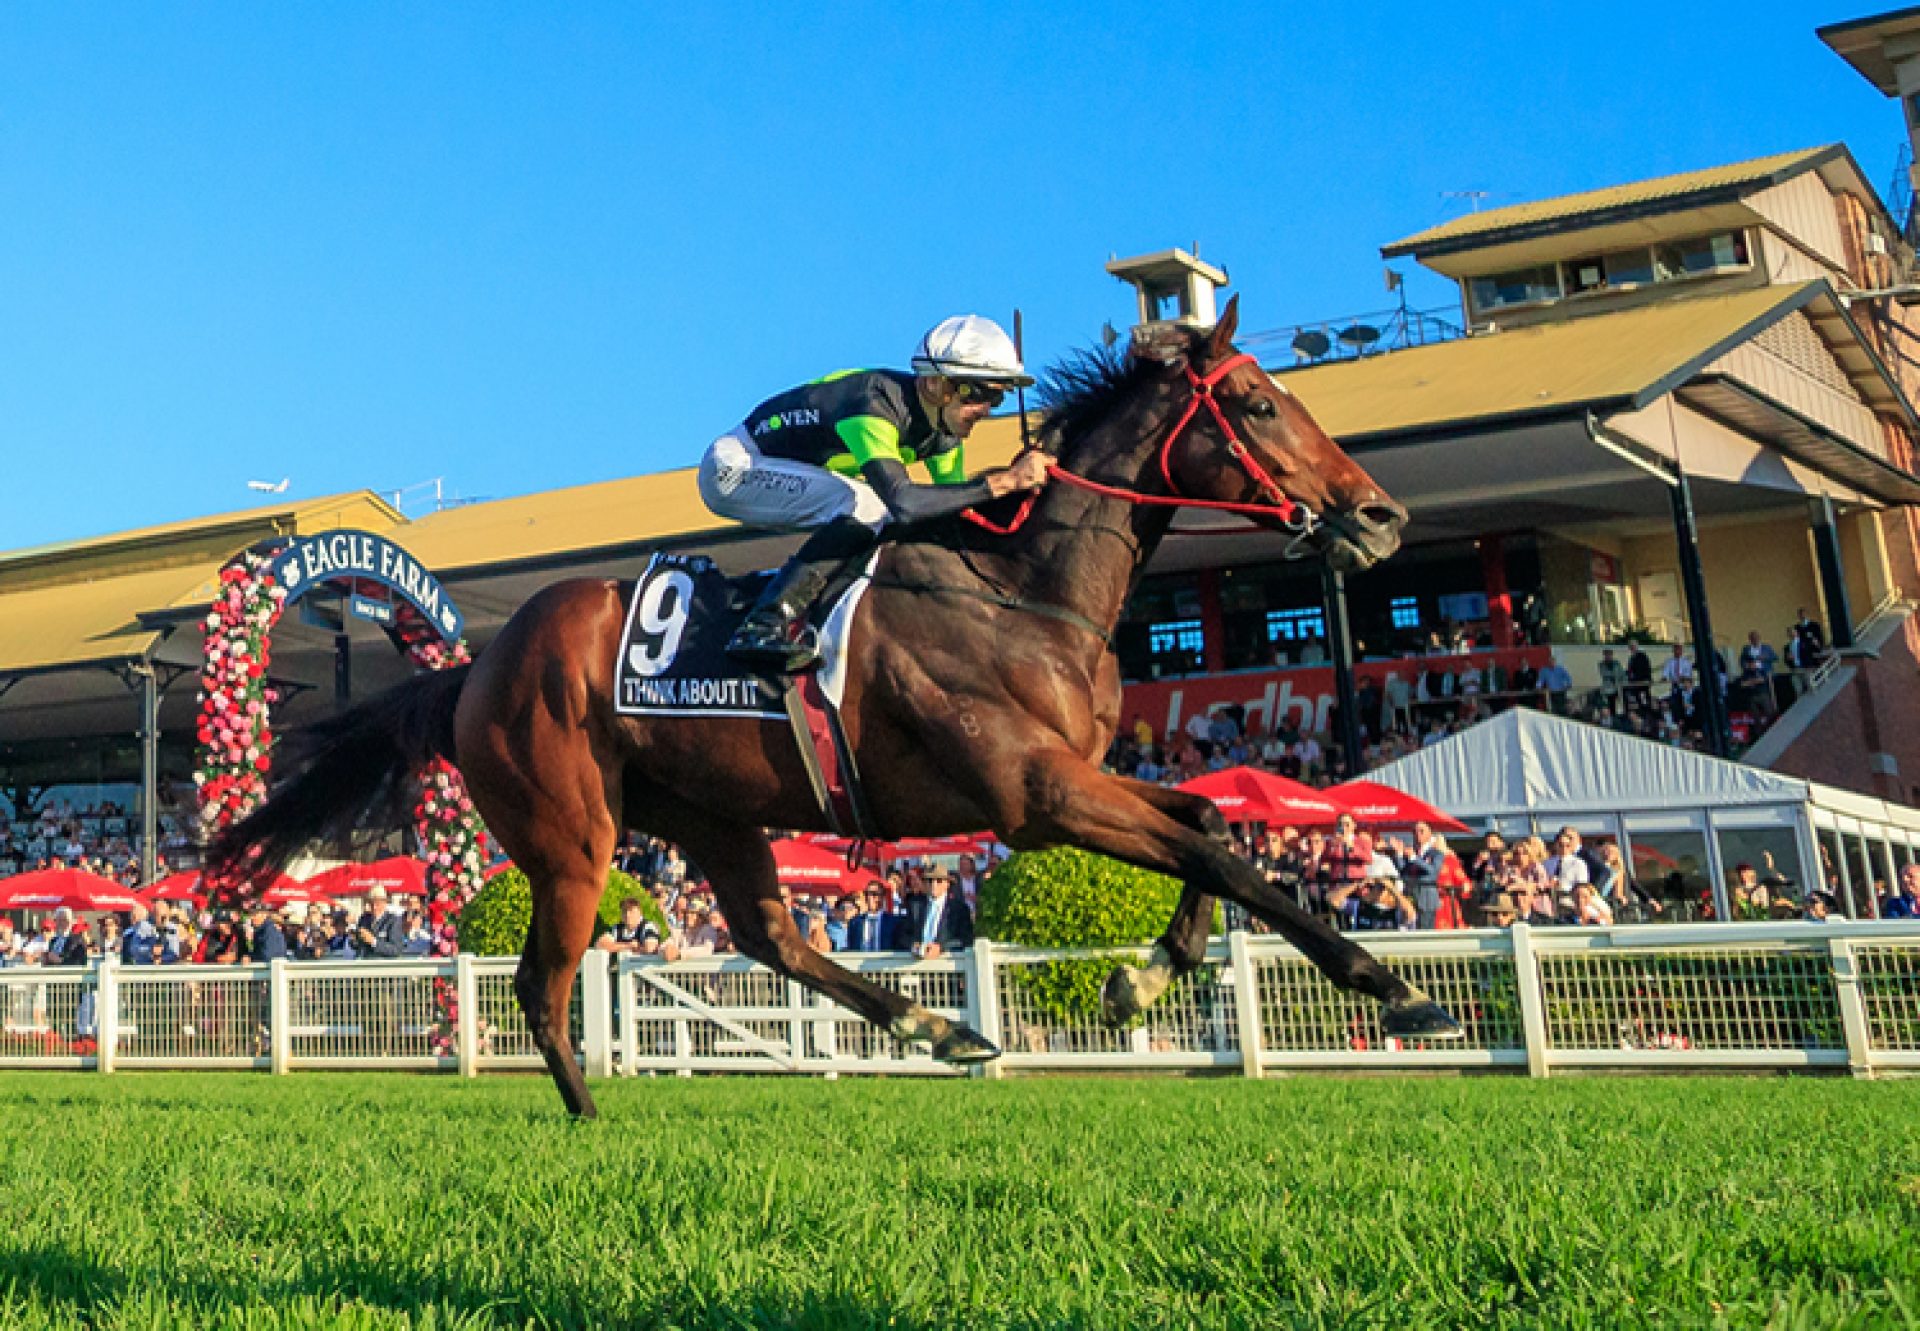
<point>380,582</point>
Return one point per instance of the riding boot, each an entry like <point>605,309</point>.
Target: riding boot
<point>775,634</point>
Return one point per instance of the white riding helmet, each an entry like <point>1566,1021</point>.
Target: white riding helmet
<point>970,347</point>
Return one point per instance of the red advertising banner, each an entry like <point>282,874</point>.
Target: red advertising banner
<point>1306,693</point>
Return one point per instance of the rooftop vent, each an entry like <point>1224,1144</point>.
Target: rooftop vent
<point>1174,287</point>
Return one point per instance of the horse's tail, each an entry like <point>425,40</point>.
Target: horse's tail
<point>343,779</point>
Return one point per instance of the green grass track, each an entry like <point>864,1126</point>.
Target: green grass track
<point>374,1200</point>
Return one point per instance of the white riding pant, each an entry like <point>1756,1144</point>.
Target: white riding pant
<point>737,481</point>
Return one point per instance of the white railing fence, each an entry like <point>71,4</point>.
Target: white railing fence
<point>1772,995</point>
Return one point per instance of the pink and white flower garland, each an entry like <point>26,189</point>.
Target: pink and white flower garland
<point>235,740</point>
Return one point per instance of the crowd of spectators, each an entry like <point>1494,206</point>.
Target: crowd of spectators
<point>923,909</point>
<point>163,934</point>
<point>1364,882</point>
<point>1420,700</point>
<point>99,835</point>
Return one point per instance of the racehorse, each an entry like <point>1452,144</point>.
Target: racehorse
<point>981,694</point>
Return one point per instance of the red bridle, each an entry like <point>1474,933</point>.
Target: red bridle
<point>1296,516</point>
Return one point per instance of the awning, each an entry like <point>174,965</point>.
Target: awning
<point>75,624</point>
<point>1747,409</point>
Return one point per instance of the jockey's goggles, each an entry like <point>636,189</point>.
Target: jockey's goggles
<point>972,390</point>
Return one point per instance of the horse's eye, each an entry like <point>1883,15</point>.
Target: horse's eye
<point>1262,407</point>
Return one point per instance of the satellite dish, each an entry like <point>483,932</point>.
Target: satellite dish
<point>1360,336</point>
<point>1311,344</point>
<point>1108,335</point>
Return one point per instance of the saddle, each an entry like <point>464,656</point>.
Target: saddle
<point>673,662</point>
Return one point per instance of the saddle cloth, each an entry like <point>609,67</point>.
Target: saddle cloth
<point>673,659</point>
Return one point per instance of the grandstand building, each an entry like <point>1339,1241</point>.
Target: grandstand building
<point>1679,409</point>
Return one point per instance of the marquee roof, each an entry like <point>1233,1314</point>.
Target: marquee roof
<point>1523,761</point>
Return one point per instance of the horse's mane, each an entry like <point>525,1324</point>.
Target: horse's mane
<point>1077,392</point>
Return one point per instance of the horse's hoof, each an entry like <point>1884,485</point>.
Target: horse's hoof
<point>1119,999</point>
<point>1420,1019</point>
<point>963,1044</point>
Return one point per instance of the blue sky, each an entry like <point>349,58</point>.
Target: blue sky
<point>524,246</point>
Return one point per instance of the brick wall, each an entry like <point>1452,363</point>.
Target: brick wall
<point>1878,712</point>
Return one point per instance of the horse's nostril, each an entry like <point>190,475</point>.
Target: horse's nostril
<point>1376,517</point>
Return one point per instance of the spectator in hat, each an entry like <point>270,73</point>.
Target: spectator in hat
<point>338,944</point>
<point>1500,910</point>
<point>419,933</point>
<point>1821,907</point>
<point>938,921</point>
<point>380,933</point>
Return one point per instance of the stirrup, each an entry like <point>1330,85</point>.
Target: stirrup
<point>780,647</point>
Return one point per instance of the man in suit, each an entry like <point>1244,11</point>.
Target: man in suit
<point>873,929</point>
<point>381,933</point>
<point>937,920</point>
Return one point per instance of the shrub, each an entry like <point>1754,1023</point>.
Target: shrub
<point>1073,898</point>
<point>495,922</point>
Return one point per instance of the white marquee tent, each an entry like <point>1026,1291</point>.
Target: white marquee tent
<point>1673,810</point>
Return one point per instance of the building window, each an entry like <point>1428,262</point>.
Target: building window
<point>1404,612</point>
<point>1178,638</point>
<point>1700,256</point>
<point>1522,286</point>
<point>1296,625</point>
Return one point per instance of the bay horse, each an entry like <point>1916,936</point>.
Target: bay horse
<point>981,694</point>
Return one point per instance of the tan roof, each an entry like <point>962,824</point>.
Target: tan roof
<point>188,542</point>
<point>1482,227</point>
<point>79,623</point>
<point>1602,358</point>
<point>632,512</point>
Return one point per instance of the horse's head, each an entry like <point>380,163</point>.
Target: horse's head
<point>1287,456</point>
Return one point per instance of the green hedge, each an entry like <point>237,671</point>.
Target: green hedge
<point>495,922</point>
<point>1073,898</point>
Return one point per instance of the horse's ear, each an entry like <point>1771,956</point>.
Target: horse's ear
<point>1222,341</point>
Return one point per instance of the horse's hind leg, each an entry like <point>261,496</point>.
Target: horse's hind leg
<point>739,865</point>
<point>562,833</point>
<point>564,909</point>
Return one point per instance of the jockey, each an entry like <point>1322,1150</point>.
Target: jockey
<point>831,457</point>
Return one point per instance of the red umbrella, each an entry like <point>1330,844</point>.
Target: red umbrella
<point>1249,795</point>
<point>1375,805</point>
<point>183,886</point>
<point>187,886</point>
<point>885,852</point>
<point>76,889</point>
<point>806,867</point>
<point>400,875</point>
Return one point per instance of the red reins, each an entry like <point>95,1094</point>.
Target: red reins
<point>1293,514</point>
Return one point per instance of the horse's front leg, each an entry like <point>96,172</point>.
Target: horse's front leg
<point>1130,990</point>
<point>1063,800</point>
